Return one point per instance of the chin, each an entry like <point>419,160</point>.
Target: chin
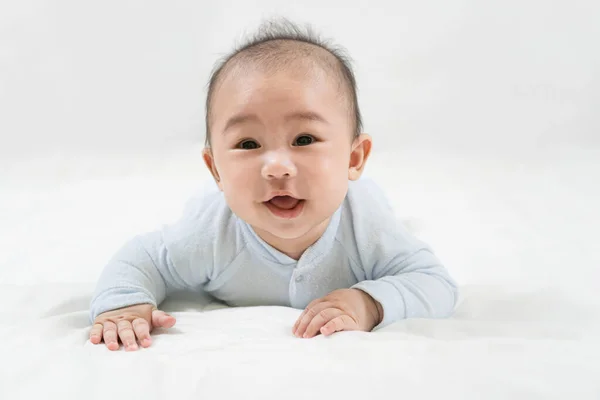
<point>288,231</point>
<point>304,224</point>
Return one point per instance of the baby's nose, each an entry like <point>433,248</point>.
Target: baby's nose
<point>278,165</point>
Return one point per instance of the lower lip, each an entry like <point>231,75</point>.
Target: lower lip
<point>287,214</point>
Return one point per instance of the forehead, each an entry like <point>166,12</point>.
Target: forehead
<point>252,89</point>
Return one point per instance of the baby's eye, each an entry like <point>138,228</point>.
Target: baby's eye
<point>248,145</point>
<point>304,140</point>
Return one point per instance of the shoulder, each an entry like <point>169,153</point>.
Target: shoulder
<point>204,213</point>
<point>372,223</point>
<point>369,205</point>
<point>367,192</point>
<point>206,225</point>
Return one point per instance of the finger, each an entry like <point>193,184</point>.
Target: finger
<point>161,319</point>
<point>96,333</point>
<point>340,323</point>
<point>142,331</point>
<point>321,319</point>
<point>127,335</point>
<point>308,307</point>
<point>309,315</point>
<point>295,327</point>
<point>110,335</point>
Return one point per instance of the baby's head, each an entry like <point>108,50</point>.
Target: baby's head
<point>283,132</point>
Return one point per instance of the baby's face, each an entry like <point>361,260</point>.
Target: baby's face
<point>282,149</point>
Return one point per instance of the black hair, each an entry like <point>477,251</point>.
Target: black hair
<point>271,44</point>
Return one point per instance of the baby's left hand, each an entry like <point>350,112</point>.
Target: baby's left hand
<point>340,310</point>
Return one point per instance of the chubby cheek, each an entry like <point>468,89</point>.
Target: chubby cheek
<point>238,180</point>
<point>327,176</point>
<point>237,172</point>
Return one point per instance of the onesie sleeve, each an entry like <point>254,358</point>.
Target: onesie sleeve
<point>402,273</point>
<point>177,257</point>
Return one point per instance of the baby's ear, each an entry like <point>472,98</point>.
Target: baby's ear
<point>361,149</point>
<point>209,160</point>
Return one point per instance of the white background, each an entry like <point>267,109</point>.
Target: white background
<point>120,76</point>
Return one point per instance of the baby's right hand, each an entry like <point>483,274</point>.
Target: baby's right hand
<point>128,323</point>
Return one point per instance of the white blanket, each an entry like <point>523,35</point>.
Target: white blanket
<point>519,234</point>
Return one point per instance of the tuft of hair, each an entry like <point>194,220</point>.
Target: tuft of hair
<point>270,45</point>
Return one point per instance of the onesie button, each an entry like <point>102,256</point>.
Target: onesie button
<point>299,278</point>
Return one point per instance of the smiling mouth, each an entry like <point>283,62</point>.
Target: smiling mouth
<point>285,206</point>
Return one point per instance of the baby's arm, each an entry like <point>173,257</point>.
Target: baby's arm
<point>414,285</point>
<point>402,273</point>
<point>180,256</point>
<point>141,272</point>
<point>132,284</point>
<point>150,266</point>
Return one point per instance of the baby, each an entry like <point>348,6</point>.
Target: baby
<point>291,224</point>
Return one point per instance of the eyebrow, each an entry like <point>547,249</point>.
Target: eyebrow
<point>296,115</point>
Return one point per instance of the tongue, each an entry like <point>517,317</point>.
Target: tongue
<point>284,202</point>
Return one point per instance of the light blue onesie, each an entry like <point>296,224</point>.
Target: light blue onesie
<point>210,249</point>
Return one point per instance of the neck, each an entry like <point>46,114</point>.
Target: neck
<point>294,248</point>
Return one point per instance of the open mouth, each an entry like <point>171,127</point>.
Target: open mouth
<point>285,206</point>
